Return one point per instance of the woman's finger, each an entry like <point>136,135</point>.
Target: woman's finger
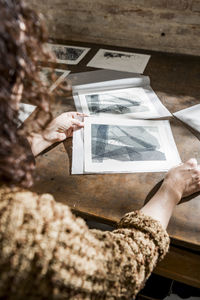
<point>75,128</point>
<point>61,136</point>
<point>77,122</point>
<point>69,132</point>
<point>192,162</point>
<point>74,114</point>
<point>82,114</point>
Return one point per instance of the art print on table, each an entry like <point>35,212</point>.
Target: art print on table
<point>130,102</point>
<point>120,61</point>
<point>65,54</point>
<point>125,143</point>
<point>128,146</point>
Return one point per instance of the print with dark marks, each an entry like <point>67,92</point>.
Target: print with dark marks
<point>125,143</point>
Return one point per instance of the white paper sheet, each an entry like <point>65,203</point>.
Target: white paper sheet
<point>151,147</point>
<point>78,152</point>
<point>190,116</point>
<point>120,61</point>
<point>66,54</point>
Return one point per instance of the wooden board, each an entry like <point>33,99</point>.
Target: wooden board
<point>181,265</point>
<point>161,25</point>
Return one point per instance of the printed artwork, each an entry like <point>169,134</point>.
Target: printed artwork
<point>125,143</point>
<point>68,54</point>
<point>109,55</point>
<point>114,104</point>
<point>132,102</point>
<point>120,61</point>
<point>119,145</point>
<point>63,53</point>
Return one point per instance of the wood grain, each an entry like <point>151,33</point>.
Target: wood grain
<point>180,265</point>
<point>161,25</point>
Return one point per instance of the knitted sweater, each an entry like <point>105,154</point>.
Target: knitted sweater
<point>48,253</point>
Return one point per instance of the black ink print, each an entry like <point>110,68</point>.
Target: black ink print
<point>124,143</point>
<point>63,53</point>
<point>74,53</point>
<point>112,104</point>
<point>116,55</point>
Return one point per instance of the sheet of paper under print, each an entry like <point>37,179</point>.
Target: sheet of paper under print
<point>190,116</point>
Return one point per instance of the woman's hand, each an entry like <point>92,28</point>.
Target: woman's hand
<point>58,130</point>
<point>184,179</point>
<point>63,126</point>
<point>179,182</point>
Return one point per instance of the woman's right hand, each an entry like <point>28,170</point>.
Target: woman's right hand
<point>184,179</point>
<point>179,182</point>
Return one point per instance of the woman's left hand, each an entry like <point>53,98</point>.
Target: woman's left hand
<point>58,130</point>
<point>63,126</point>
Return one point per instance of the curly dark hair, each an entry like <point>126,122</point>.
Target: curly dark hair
<point>22,36</point>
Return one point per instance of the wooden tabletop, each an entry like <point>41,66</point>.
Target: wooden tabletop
<point>176,81</point>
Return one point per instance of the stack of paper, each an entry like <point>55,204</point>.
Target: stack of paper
<point>121,133</point>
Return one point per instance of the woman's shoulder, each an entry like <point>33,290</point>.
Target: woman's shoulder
<point>27,199</point>
<point>19,193</point>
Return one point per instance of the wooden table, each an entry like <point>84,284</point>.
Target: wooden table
<point>176,81</point>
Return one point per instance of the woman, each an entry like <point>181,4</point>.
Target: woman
<point>45,251</point>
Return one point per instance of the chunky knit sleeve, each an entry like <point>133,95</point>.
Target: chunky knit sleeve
<point>48,253</point>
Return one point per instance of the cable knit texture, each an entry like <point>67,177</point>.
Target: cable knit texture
<point>48,253</point>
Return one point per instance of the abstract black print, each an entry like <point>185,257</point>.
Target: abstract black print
<point>119,103</point>
<point>125,143</point>
<point>114,145</point>
<point>68,54</point>
<point>63,53</point>
<point>118,55</point>
<point>130,98</point>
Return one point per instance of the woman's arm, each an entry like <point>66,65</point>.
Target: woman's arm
<point>179,182</point>
<point>58,130</point>
<point>48,252</point>
<point>52,254</point>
